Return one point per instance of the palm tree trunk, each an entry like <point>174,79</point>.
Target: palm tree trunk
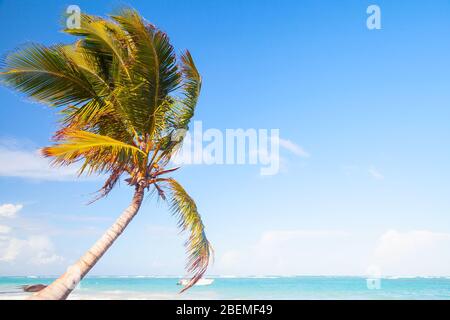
<point>63,286</point>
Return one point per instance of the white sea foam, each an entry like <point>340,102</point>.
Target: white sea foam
<point>245,277</point>
<point>414,277</point>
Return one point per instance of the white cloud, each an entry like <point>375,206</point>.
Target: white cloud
<point>9,249</point>
<point>294,148</point>
<point>282,144</point>
<point>43,251</point>
<point>374,173</point>
<point>19,160</point>
<point>337,252</point>
<point>9,210</point>
<point>413,253</point>
<point>35,250</point>
<point>4,229</point>
<point>294,252</point>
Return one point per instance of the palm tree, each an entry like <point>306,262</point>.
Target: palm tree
<point>124,98</point>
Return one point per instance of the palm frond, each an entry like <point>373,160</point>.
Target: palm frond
<point>109,184</point>
<point>192,86</point>
<point>181,111</point>
<point>155,63</point>
<point>100,153</point>
<point>197,246</point>
<point>104,37</point>
<point>47,75</point>
<point>91,65</point>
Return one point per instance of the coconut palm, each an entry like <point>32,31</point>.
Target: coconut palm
<point>124,98</point>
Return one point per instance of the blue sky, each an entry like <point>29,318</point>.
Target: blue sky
<point>370,107</point>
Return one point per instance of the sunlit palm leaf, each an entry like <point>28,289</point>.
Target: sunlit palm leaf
<point>106,53</point>
<point>192,86</point>
<point>103,37</point>
<point>100,153</point>
<point>155,62</point>
<point>91,65</point>
<point>181,112</point>
<point>197,246</point>
<point>47,75</point>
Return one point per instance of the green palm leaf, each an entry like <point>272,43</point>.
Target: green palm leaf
<point>155,63</point>
<point>100,153</point>
<point>198,247</point>
<point>47,75</point>
<point>192,86</point>
<point>103,37</point>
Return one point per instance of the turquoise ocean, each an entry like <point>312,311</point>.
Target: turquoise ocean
<point>300,287</point>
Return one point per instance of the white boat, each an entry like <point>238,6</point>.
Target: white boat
<point>201,282</point>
